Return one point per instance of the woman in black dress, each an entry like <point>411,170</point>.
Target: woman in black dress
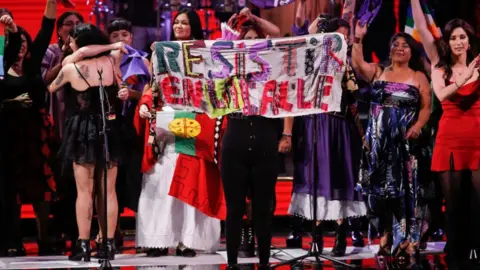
<point>26,135</point>
<point>82,143</point>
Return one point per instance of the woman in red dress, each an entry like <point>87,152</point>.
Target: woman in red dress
<point>457,150</point>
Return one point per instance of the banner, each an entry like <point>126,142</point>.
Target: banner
<point>271,78</point>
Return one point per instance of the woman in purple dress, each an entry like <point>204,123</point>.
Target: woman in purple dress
<point>335,159</point>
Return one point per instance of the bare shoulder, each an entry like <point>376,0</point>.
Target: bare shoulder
<point>420,77</point>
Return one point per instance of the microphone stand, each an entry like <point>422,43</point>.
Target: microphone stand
<point>314,250</point>
<point>104,262</point>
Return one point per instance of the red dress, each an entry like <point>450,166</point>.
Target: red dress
<point>458,141</point>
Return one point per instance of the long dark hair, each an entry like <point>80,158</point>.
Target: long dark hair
<point>88,34</point>
<point>446,59</point>
<point>4,11</point>
<point>250,25</point>
<point>61,21</point>
<point>416,58</point>
<point>196,31</point>
<point>335,23</point>
<point>27,36</point>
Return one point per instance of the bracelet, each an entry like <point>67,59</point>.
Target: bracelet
<point>357,40</point>
<point>287,134</point>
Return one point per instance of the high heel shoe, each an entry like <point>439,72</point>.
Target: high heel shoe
<point>340,240</point>
<point>81,251</point>
<point>108,251</point>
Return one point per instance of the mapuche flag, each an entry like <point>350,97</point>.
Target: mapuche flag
<point>195,134</point>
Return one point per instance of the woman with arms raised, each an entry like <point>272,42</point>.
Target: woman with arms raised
<point>82,143</point>
<point>393,164</point>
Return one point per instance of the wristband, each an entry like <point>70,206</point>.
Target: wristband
<point>357,40</point>
<point>287,134</point>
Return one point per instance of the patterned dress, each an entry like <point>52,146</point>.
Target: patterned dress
<point>392,167</point>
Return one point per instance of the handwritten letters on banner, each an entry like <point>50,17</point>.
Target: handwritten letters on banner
<point>272,78</point>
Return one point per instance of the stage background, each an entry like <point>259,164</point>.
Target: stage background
<point>28,14</point>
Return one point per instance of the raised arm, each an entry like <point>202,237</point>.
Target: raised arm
<point>14,41</point>
<point>62,78</point>
<point>267,27</point>
<point>44,36</point>
<point>442,91</point>
<point>426,36</point>
<point>301,15</point>
<point>368,71</point>
<point>93,50</point>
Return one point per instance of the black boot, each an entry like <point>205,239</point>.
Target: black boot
<point>107,251</point>
<point>340,240</point>
<point>81,251</point>
<point>294,238</point>
<point>357,239</point>
<point>318,237</point>
<point>247,242</point>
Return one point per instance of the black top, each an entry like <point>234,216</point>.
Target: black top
<point>31,82</point>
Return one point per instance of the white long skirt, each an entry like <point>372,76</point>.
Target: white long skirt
<point>164,221</point>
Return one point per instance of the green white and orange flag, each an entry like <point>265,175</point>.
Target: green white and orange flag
<point>195,134</point>
<point>2,50</point>
<point>432,26</point>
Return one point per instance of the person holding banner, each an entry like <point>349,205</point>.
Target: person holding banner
<point>165,218</point>
<point>394,166</point>
<point>338,146</point>
<point>248,26</point>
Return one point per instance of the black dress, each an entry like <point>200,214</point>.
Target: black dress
<point>26,146</point>
<point>82,142</point>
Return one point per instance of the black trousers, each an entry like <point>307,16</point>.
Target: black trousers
<point>249,161</point>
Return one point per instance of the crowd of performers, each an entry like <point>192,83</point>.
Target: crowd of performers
<point>395,170</point>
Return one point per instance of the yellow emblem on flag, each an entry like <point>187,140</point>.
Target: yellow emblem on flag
<point>185,128</point>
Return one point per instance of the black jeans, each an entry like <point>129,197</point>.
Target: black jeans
<point>249,161</point>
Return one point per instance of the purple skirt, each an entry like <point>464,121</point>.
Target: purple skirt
<point>338,153</point>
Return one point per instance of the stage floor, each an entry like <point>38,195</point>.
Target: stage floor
<point>362,257</point>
